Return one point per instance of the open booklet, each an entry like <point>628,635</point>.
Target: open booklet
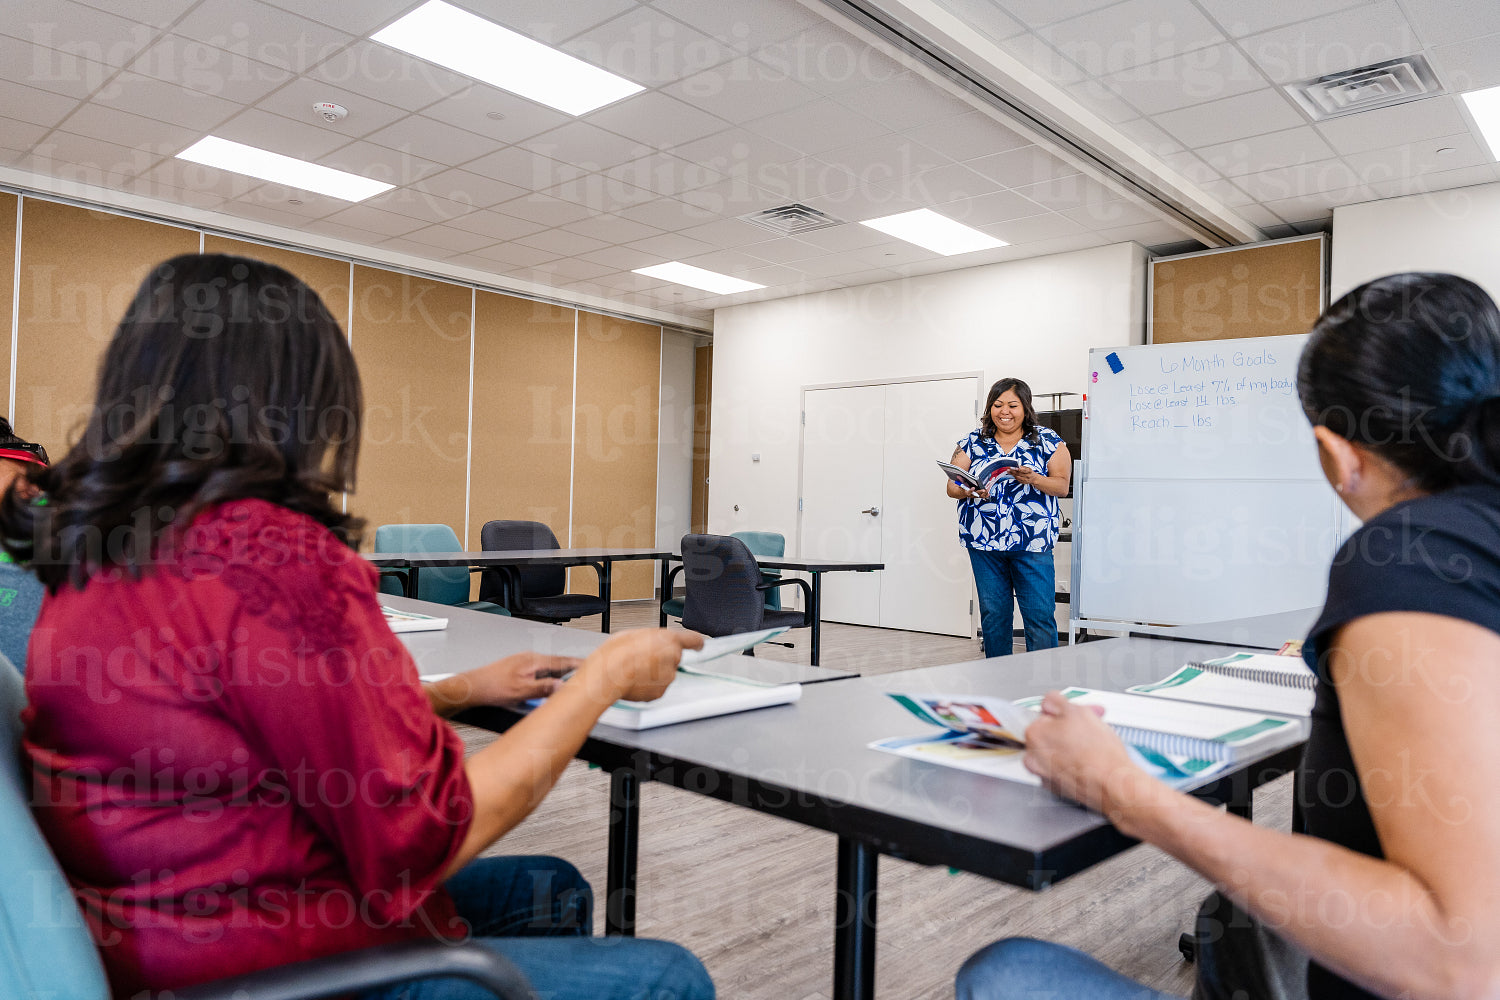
<point>1177,741</point>
<point>1255,681</point>
<point>410,621</point>
<point>699,693</point>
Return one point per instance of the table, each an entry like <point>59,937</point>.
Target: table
<point>601,559</point>
<point>814,567</point>
<point>1265,631</point>
<point>809,763</point>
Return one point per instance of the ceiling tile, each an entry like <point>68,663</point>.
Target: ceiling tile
<point>670,246</point>
<point>546,20</point>
<point>573,270</point>
<point>585,146</point>
<point>904,102</point>
<point>1313,208</point>
<point>496,225</point>
<point>734,262</point>
<point>1039,12</point>
<point>1189,166</point>
<point>1102,101</point>
<point>1237,18</point>
<point>657,120</point>
<point>1416,159</point>
<point>663,174</point>
<point>1266,152</point>
<point>885,158</point>
<point>103,159</point>
<point>1366,34</point>
<point>609,229</point>
<point>363,18</point>
<point>728,199</point>
<point>544,210</point>
<point>518,118</point>
<point>50,69</point>
<point>1441,22</point>
<point>728,233</point>
<point>1019,167</point>
<point>800,180</point>
<point>812,128</point>
<point>1261,216</point>
<point>741,90</point>
<point>1033,228</point>
<point>96,35</point>
<point>385,74</point>
<point>372,221</point>
<point>1429,119</point>
<point>1231,118</point>
<point>1330,178</point>
<point>304,205</point>
<point>1044,60</point>
<point>269,214</point>
<point>522,167</point>
<point>1072,191</point>
<point>864,202</point>
<point>263,33</point>
<point>128,130</point>
<point>1131,33</point>
<point>562,242</point>
<point>1206,74</point>
<point>623,258</point>
<point>418,204</point>
<point>990,19</point>
<point>19,135</point>
<point>1150,136</point>
<point>827,59</point>
<point>199,67</point>
<point>515,255</point>
<point>264,130</point>
<point>182,175</point>
<point>157,13</point>
<point>469,188</point>
<point>394,166</point>
<point>988,209</point>
<point>646,48</point>
<point>1146,234</point>
<point>1225,191</point>
<point>295,101</point>
<point>1439,181</point>
<point>945,184</point>
<point>601,193</point>
<point>434,140</point>
<point>735,23</point>
<point>737,153</point>
<point>1112,215</point>
<point>39,107</point>
<point>1465,65</point>
<point>843,238</point>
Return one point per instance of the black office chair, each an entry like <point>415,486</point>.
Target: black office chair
<point>726,592</point>
<point>534,592</point>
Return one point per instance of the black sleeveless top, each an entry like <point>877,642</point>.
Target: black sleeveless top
<point>1437,554</point>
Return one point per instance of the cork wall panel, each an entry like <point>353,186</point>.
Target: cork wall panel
<point>614,445</point>
<point>1269,290</point>
<point>8,205</point>
<point>79,270</point>
<point>411,341</point>
<point>523,413</point>
<point>324,275</point>
<point>703,381</point>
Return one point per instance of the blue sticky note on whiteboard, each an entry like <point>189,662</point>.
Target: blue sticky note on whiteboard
<point>1115,364</point>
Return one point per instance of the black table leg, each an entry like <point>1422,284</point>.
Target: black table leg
<point>604,568</point>
<point>661,606</point>
<point>624,839</point>
<point>817,615</point>
<point>411,581</point>
<point>854,927</point>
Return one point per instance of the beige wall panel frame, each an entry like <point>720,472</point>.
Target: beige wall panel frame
<point>9,206</point>
<point>703,382</point>
<point>79,269</point>
<point>327,276</point>
<point>616,411</point>
<point>411,340</point>
<point>521,465</point>
<point>1269,289</point>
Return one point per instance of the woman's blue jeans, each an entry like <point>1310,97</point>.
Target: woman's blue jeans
<point>1027,969</point>
<point>1025,577</point>
<point>538,912</point>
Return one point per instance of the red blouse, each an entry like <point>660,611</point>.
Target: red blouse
<point>233,758</point>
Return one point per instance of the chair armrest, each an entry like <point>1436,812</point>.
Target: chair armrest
<point>672,575</point>
<point>368,969</point>
<point>806,595</point>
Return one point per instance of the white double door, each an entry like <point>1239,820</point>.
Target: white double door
<point>870,491</point>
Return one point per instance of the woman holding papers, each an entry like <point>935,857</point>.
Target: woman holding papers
<point>1393,889</point>
<point>232,756</point>
<point>1009,524</point>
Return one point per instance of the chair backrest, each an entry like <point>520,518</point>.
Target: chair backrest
<point>721,575</point>
<point>443,584</point>
<point>45,949</point>
<point>510,536</point>
<point>769,544</point>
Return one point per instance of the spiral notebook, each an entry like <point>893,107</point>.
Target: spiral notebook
<point>1255,681</point>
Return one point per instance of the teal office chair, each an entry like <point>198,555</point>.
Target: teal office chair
<point>760,543</point>
<point>46,950</point>
<point>439,584</point>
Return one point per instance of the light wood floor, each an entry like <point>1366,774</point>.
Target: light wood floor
<point>753,896</point>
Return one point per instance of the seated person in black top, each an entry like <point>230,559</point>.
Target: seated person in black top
<point>1394,889</point>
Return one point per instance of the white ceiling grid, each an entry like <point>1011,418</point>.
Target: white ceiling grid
<point>749,105</point>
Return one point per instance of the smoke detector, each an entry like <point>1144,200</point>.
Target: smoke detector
<point>330,112</point>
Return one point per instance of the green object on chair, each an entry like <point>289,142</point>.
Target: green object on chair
<point>770,544</point>
<point>439,584</point>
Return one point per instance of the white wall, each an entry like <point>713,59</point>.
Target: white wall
<point>1456,231</point>
<point>1032,319</point>
<point>674,450</point>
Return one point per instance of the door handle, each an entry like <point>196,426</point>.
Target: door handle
<point>872,511</point>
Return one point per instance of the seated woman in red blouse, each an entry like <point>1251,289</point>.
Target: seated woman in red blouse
<point>232,755</point>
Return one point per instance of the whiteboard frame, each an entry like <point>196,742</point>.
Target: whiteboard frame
<point>1323,268</point>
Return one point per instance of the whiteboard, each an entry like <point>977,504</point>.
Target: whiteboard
<point>1200,496</point>
<point>1224,409</point>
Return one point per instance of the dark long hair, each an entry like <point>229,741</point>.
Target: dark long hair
<point>226,379</point>
<point>1028,413</point>
<point>1409,366</point>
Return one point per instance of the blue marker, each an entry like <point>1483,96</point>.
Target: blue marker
<point>1113,360</point>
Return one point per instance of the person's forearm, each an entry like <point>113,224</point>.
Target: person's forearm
<point>448,696</point>
<point>1053,486</point>
<point>1314,893</point>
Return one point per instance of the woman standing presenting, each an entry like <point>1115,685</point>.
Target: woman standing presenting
<point>1010,525</point>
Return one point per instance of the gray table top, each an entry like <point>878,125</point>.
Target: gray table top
<point>514,557</point>
<point>1262,631</point>
<point>474,638</point>
<point>808,564</point>
<point>810,762</point>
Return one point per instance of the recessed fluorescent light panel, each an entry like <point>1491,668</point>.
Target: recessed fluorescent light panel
<point>696,277</point>
<point>1484,105</point>
<point>468,44</point>
<point>268,166</point>
<point>934,232</point>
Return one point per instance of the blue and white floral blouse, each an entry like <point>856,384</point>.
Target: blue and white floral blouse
<point>1017,517</point>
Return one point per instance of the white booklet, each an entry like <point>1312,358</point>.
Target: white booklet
<point>411,621</point>
<point>1255,681</point>
<point>695,696</point>
<point>724,645</point>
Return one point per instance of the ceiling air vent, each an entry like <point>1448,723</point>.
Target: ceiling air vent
<point>1395,81</point>
<point>792,220</point>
